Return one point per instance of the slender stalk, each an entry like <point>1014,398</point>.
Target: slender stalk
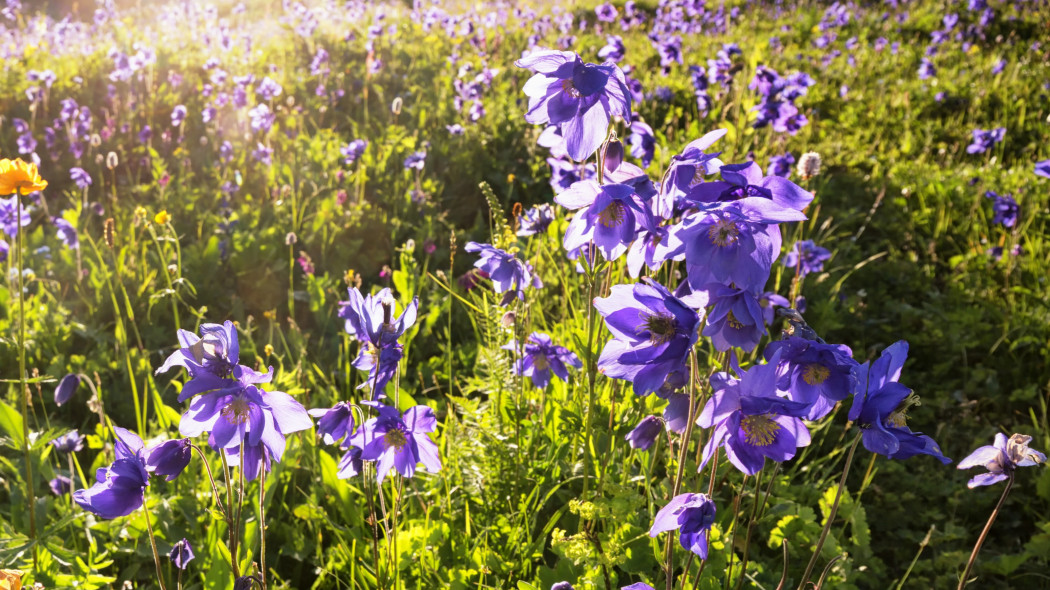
<point>23,387</point>
<point>153,545</point>
<point>984,533</point>
<point>592,373</point>
<point>732,539</point>
<point>229,520</point>
<point>211,478</point>
<point>682,454</point>
<point>750,528</point>
<point>262,521</point>
<point>235,549</point>
<point>831,515</point>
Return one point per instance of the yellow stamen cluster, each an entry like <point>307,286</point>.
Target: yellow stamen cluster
<point>815,374</point>
<point>761,430</point>
<point>723,233</point>
<point>613,215</point>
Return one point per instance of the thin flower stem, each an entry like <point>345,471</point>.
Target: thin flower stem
<point>592,373</point>
<point>23,387</point>
<point>984,533</point>
<point>240,503</point>
<point>831,515</point>
<point>732,539</point>
<point>682,454</point>
<point>229,520</point>
<point>214,487</point>
<point>153,545</point>
<point>262,521</point>
<point>750,527</point>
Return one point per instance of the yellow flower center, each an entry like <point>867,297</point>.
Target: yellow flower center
<point>899,417</point>
<point>733,322</point>
<point>661,327</point>
<point>723,233</point>
<point>237,411</point>
<point>760,430</point>
<point>613,215</point>
<point>394,438</point>
<point>568,88</point>
<point>815,374</point>
<point>540,362</point>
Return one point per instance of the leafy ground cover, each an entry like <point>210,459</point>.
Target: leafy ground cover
<point>397,198</point>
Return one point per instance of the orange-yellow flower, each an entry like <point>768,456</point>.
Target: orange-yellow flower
<point>18,176</point>
<point>10,580</point>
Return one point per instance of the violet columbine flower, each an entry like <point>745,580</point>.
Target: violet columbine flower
<point>9,221</point>
<point>580,97</point>
<point>740,181</point>
<point>353,150</point>
<point>209,358</point>
<point>643,142</point>
<point>806,257</point>
<point>508,273</point>
<point>644,434</point>
<point>769,301</point>
<point>613,50</point>
<point>609,216</point>
<point>1001,458</point>
<point>880,405</point>
<point>5,248</point>
<point>169,458</point>
<point>399,441</point>
<point>653,333</point>
<point>334,424</point>
<point>371,320</point>
<point>606,13</point>
<point>983,140</point>
<point>751,420</point>
<point>781,165</point>
<point>416,160</point>
<point>734,320</point>
<point>178,115</point>
<point>268,89</point>
<point>60,485</point>
<point>1043,168</point>
<point>541,358</point>
<point>66,388</point>
<point>181,554</point>
<point>926,69</point>
<point>80,177</point>
<point>535,220</point>
<point>813,373</point>
<point>734,242</point>
<point>687,170</point>
<point>692,515</point>
<point>239,411</point>
<point>66,232</point>
<point>638,586</point>
<point>69,442</point>
<point>1005,207</point>
<point>119,488</point>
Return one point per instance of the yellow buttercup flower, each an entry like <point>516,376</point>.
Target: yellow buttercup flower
<point>16,175</point>
<point>162,218</point>
<point>11,580</point>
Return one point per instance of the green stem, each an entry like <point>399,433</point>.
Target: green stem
<point>984,533</point>
<point>153,545</point>
<point>23,388</point>
<point>682,454</point>
<point>262,522</point>
<point>831,515</point>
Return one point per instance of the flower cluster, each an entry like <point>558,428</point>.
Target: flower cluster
<point>370,319</point>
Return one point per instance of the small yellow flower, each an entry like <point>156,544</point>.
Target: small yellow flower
<point>268,350</point>
<point>270,314</point>
<point>19,176</point>
<point>162,218</point>
<point>510,178</point>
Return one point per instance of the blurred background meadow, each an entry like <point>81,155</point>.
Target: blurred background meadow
<point>252,161</point>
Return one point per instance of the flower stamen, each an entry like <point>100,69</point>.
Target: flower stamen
<point>760,430</point>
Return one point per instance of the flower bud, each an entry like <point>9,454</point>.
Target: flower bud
<point>66,388</point>
<point>613,155</point>
<point>169,458</point>
<point>181,554</point>
<point>809,165</point>
<point>112,160</point>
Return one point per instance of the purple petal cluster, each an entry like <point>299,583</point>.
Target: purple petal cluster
<point>371,321</point>
<point>508,273</point>
<point>541,358</point>
<point>1001,459</point>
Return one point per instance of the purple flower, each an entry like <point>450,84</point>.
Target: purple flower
<point>1005,207</point>
<point>416,160</point>
<point>178,115</point>
<point>880,405</point>
<point>5,248</point>
<point>644,434</point>
<point>1001,459</point>
<point>606,13</point>
<point>268,89</point>
<point>814,373</point>
<point>334,424</point>
<point>807,257</point>
<point>61,485</point>
<point>262,154</point>
<point>983,140</point>
<point>9,220</point>
<point>653,333</point>
<point>145,134</point>
<point>66,232</point>
<point>638,586</point>
<point>609,216</point>
<point>262,118</point>
<point>740,181</point>
<point>613,50</point>
<point>353,150</point>
<point>209,358</point>
<point>371,320</point>
<point>769,301</point>
<point>735,318</point>
<point>1043,168</point>
<point>580,97</point>
<point>399,441</point>
<point>119,488</point>
<point>66,388</point>
<point>69,442</point>
<point>692,515</point>
<point>509,274</point>
<point>535,220</point>
<point>80,177</point>
<point>643,142</point>
<point>687,170</point>
<point>169,458</point>
<point>781,165</point>
<point>181,554</point>
<point>926,69</point>
<point>541,357</point>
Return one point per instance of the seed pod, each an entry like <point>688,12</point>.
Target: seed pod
<point>109,232</point>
